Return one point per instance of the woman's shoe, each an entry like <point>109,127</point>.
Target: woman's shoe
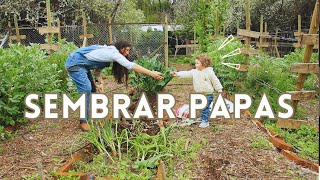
<point>85,126</point>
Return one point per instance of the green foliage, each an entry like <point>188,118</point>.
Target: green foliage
<point>151,37</point>
<point>147,83</point>
<point>137,153</point>
<point>260,143</point>
<point>189,13</point>
<point>184,60</point>
<point>305,140</point>
<point>272,76</point>
<point>129,12</point>
<point>26,69</point>
<point>6,135</point>
<point>229,78</point>
<point>23,70</point>
<point>202,36</point>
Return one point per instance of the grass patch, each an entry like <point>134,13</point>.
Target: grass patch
<point>260,143</point>
<point>305,140</point>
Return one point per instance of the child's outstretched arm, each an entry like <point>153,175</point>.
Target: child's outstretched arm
<point>173,74</point>
<point>182,74</point>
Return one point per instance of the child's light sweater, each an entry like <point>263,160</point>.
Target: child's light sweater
<point>204,81</point>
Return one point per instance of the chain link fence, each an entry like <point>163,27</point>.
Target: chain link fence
<point>146,39</point>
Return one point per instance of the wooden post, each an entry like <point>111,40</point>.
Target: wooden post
<point>194,36</point>
<point>237,25</point>
<point>299,23</point>
<point>18,39</point>
<point>9,29</point>
<point>308,51</point>
<point>110,30</point>
<point>85,35</point>
<point>59,34</point>
<point>275,44</point>
<point>50,31</point>
<point>248,22</point>
<point>49,25</point>
<point>166,47</point>
<point>299,31</point>
<point>265,27</point>
<point>217,24</point>
<point>261,28</point>
<point>84,22</point>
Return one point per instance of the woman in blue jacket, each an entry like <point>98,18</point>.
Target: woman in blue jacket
<point>97,57</point>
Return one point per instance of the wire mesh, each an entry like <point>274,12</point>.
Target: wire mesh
<point>146,39</point>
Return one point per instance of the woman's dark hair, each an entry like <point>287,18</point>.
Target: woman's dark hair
<point>119,72</point>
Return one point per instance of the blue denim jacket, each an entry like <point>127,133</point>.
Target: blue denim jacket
<point>77,59</point>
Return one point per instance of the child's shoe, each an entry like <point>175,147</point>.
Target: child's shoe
<point>204,124</point>
<point>199,120</point>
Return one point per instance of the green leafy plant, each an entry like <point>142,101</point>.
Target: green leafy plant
<point>23,69</point>
<point>147,83</point>
<point>139,151</point>
<point>27,69</point>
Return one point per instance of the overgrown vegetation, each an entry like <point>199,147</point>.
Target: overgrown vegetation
<point>131,153</point>
<point>26,69</point>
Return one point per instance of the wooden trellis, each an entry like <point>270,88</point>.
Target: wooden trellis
<point>304,39</point>
<point>18,37</point>
<point>262,43</point>
<point>50,31</point>
<point>85,36</point>
<point>248,34</point>
<point>305,68</point>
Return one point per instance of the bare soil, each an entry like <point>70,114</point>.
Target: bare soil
<point>225,153</point>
